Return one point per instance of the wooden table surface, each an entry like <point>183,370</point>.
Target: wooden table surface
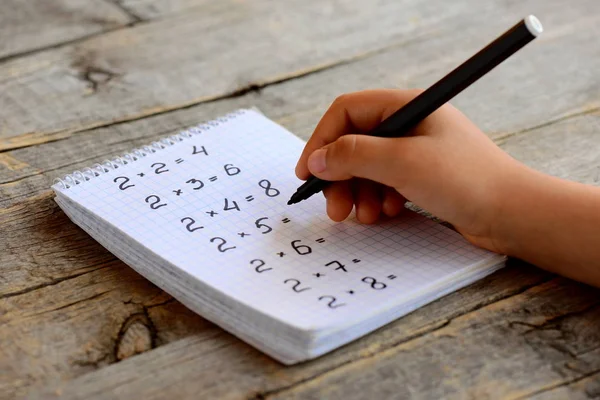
<point>81,81</point>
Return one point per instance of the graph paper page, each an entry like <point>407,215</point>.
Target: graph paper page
<point>214,205</point>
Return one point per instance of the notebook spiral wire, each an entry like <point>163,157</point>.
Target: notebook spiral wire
<point>88,173</point>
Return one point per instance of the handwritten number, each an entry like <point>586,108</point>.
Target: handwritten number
<point>227,208</point>
<point>332,301</point>
<point>373,282</point>
<point>339,265</point>
<point>220,246</point>
<point>260,225</point>
<point>154,205</point>
<point>194,181</point>
<point>122,184</point>
<point>231,170</point>
<point>261,264</point>
<point>269,190</point>
<point>296,287</point>
<point>301,249</point>
<point>202,150</point>
<point>189,225</point>
<point>160,169</point>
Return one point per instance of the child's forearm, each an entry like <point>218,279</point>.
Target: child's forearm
<point>554,224</point>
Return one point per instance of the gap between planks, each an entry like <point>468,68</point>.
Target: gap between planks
<point>558,385</point>
<point>66,43</point>
<point>499,140</point>
<point>100,265</point>
<point>36,138</point>
<point>133,15</point>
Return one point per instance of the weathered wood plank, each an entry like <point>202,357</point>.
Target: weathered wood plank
<point>35,24</point>
<point>223,47</point>
<point>61,254</point>
<point>68,307</point>
<point>189,58</point>
<point>37,250</point>
<point>567,149</point>
<point>299,103</point>
<point>577,389</point>
<point>151,9</point>
<point>508,348</point>
<point>547,335</point>
<point>400,66</point>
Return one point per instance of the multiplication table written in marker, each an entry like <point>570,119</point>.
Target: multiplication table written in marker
<point>214,205</point>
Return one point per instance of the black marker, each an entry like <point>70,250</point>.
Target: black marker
<point>399,123</point>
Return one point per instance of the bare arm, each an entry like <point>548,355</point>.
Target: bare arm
<point>554,224</point>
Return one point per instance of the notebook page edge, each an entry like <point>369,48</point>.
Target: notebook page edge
<point>324,344</point>
<point>282,353</point>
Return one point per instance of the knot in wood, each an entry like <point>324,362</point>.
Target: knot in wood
<point>136,336</point>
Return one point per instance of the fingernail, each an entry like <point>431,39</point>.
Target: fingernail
<point>316,161</point>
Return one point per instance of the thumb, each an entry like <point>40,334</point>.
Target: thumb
<point>361,156</point>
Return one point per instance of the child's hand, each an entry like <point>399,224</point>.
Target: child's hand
<point>446,166</point>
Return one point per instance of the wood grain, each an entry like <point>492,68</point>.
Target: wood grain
<point>506,349</point>
<point>499,109</point>
<point>581,388</point>
<point>226,47</point>
<point>225,367</point>
<point>567,149</point>
<point>67,278</point>
<point>77,323</point>
<point>31,25</point>
<point>68,307</point>
<point>544,337</point>
<point>152,9</point>
<point>186,59</point>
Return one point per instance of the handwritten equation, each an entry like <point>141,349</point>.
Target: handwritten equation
<point>199,224</point>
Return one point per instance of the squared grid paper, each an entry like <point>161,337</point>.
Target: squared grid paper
<point>398,259</point>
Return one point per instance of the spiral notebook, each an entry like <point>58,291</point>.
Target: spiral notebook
<point>203,215</point>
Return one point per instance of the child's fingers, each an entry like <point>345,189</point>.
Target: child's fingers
<point>367,197</point>
<point>390,161</point>
<point>393,202</point>
<point>357,112</point>
<point>339,200</point>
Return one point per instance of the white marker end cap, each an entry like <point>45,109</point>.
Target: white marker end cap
<point>534,25</point>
